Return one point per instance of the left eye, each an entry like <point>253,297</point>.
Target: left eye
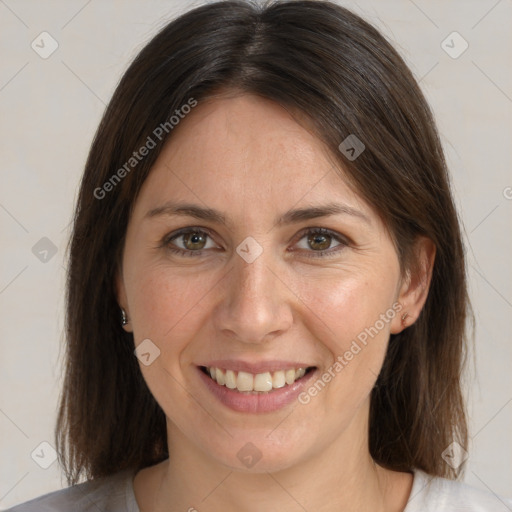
<point>319,240</point>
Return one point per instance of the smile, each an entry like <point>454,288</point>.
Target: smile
<point>248,392</point>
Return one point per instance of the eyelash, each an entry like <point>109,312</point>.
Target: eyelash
<point>343,241</point>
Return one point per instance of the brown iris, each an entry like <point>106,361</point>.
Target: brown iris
<point>319,241</point>
<point>194,240</point>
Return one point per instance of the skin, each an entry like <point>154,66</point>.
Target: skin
<point>252,160</point>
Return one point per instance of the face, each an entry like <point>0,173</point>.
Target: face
<point>248,257</point>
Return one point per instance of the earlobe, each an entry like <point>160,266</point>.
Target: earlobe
<point>415,287</point>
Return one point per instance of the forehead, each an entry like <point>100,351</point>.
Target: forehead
<point>245,150</point>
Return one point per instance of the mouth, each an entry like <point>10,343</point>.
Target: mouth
<point>256,383</point>
<point>247,392</point>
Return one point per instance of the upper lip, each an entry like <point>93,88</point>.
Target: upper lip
<point>255,367</point>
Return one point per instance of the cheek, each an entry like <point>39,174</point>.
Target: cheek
<point>168,305</point>
<point>344,307</point>
<point>351,316</point>
<point>169,308</point>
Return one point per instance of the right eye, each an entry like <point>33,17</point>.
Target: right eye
<point>189,242</point>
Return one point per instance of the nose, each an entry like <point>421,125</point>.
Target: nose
<point>256,305</point>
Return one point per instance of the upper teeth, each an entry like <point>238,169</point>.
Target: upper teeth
<point>243,381</point>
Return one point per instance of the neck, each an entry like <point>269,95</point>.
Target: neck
<point>342,477</point>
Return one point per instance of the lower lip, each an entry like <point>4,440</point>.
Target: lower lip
<point>257,403</point>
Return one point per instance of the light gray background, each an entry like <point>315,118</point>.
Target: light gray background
<point>50,110</point>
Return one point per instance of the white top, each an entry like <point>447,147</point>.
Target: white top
<point>115,494</point>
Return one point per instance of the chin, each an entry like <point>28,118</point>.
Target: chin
<point>256,453</point>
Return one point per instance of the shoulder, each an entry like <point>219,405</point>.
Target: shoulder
<point>434,494</point>
<point>113,493</point>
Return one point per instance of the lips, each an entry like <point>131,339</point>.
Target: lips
<point>256,391</point>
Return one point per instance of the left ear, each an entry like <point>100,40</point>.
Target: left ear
<point>415,286</point>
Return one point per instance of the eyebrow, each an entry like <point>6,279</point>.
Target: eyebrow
<point>290,217</point>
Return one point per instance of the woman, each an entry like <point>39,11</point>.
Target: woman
<point>266,293</point>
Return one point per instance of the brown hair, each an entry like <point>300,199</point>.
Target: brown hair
<point>322,61</point>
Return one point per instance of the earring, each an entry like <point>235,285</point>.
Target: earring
<point>124,318</point>
<point>404,317</point>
